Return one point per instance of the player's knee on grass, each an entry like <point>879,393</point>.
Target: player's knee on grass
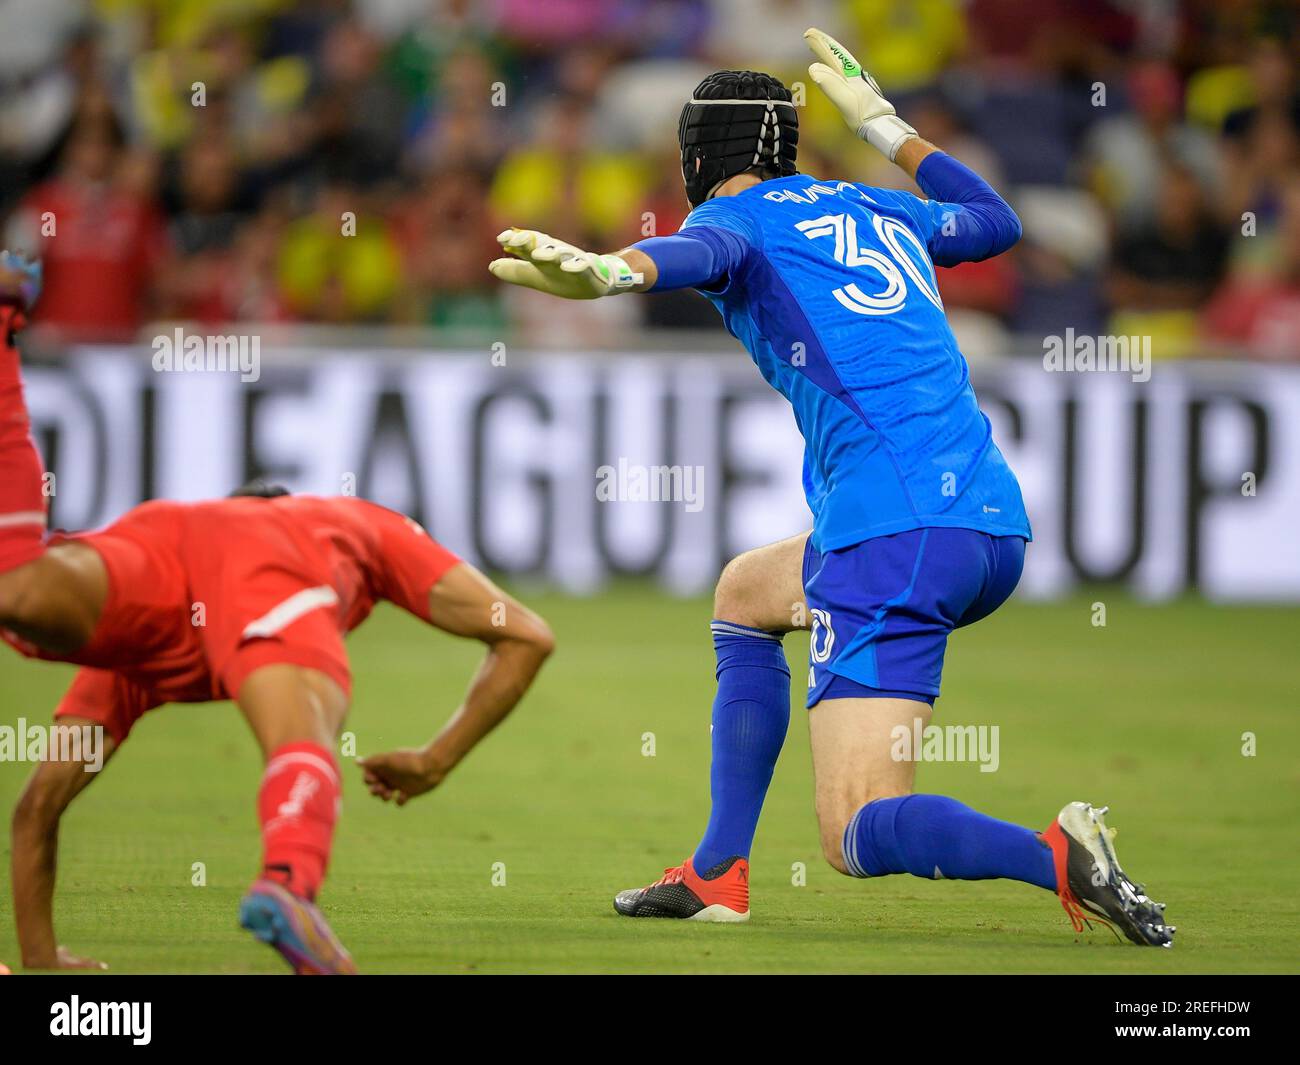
<point>854,761</point>
<point>833,817</point>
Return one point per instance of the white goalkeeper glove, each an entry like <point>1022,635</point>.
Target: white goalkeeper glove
<point>856,94</point>
<point>550,265</point>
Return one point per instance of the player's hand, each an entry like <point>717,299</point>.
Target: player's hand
<point>401,775</point>
<point>856,94</point>
<point>550,265</point>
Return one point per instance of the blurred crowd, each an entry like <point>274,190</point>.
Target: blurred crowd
<point>350,161</point>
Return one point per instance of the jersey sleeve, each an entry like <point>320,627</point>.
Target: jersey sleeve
<point>106,699</point>
<point>730,233</point>
<point>963,221</point>
<point>409,562</point>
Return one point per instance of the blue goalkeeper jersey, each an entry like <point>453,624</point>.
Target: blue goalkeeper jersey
<point>830,286</point>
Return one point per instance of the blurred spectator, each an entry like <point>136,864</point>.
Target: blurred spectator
<point>48,58</point>
<point>579,188</point>
<point>1262,141</point>
<point>1060,260</point>
<point>340,263</point>
<point>359,111</point>
<point>909,43</point>
<point>209,199</point>
<point>99,230</point>
<point>1163,270</point>
<point>1173,261</point>
<point>1129,152</point>
<point>751,33</point>
<point>447,237</point>
<point>460,127</point>
<point>242,284</point>
<point>1261,311</point>
<point>668,29</point>
<point>556,25</point>
<point>352,160</point>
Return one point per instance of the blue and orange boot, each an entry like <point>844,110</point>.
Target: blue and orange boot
<point>720,895</point>
<point>296,928</point>
<point>1090,882</point>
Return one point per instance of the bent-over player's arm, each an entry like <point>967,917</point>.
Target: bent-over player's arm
<point>430,582</point>
<point>96,700</point>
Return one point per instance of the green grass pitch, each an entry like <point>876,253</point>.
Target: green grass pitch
<point>1146,714</point>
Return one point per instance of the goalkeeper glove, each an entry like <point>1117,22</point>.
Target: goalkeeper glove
<point>856,94</point>
<point>550,265</point>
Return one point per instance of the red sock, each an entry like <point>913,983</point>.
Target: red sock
<point>22,475</point>
<point>298,805</point>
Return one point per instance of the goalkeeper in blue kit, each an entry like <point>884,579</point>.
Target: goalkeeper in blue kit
<point>918,523</point>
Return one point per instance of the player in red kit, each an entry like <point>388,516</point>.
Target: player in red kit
<point>248,599</point>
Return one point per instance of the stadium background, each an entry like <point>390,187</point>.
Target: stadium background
<point>200,157</point>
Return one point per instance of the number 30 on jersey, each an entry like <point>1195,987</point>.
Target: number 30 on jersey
<point>895,271</point>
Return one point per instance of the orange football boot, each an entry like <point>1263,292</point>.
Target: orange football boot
<point>720,895</point>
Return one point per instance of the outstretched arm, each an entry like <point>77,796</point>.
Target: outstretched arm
<point>35,844</point>
<point>537,260</point>
<point>697,257</point>
<point>465,603</point>
<point>975,222</point>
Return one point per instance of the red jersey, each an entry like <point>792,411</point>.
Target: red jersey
<point>201,594</point>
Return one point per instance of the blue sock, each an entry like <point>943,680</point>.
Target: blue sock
<point>751,713</point>
<point>938,837</point>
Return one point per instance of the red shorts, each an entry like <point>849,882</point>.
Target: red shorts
<point>263,605</point>
<point>202,595</point>
<point>311,638</point>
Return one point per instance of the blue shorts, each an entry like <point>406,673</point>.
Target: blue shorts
<point>881,610</point>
